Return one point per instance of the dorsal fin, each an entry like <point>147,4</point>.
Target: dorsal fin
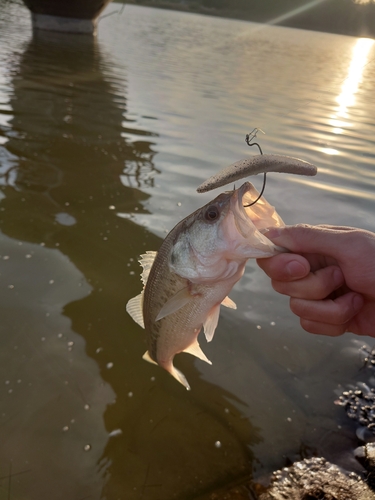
<point>134,307</point>
<point>146,260</point>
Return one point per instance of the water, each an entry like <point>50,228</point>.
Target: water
<point>103,143</point>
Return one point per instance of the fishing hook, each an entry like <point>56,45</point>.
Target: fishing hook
<point>249,137</point>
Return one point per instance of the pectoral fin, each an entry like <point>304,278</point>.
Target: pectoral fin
<point>195,350</point>
<point>135,308</point>
<point>180,299</point>
<point>211,323</point>
<point>227,302</point>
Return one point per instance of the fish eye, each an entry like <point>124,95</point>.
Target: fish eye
<point>212,213</point>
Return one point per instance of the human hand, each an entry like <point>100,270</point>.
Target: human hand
<point>329,276</point>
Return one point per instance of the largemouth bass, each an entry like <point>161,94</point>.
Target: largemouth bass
<point>197,265</point>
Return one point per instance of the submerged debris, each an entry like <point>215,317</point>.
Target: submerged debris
<point>359,401</point>
<point>368,356</point>
<point>359,404</point>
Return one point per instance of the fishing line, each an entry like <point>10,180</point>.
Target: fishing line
<point>249,137</point>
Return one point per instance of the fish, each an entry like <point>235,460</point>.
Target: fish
<point>187,281</point>
<point>255,165</point>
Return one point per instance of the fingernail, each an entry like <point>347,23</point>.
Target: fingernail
<point>295,269</point>
<point>273,232</point>
<point>357,302</point>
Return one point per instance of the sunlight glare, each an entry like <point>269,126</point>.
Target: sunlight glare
<point>329,151</point>
<point>349,88</point>
<point>295,12</point>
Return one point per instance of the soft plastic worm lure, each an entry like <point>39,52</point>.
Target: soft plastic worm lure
<point>256,165</point>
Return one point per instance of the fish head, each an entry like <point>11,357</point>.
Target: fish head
<point>217,238</point>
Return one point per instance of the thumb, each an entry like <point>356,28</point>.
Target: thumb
<point>303,238</point>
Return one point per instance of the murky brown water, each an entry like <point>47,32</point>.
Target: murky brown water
<point>102,144</point>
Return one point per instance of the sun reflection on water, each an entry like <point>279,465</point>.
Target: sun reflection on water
<point>349,87</point>
<point>329,151</point>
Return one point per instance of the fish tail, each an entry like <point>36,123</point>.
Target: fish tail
<point>171,369</point>
<point>179,376</point>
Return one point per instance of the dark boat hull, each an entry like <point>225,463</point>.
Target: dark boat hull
<point>77,16</point>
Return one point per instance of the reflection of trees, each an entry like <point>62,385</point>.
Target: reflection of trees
<point>68,120</point>
<point>66,152</point>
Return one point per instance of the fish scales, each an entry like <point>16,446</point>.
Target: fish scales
<point>182,327</point>
<point>197,265</point>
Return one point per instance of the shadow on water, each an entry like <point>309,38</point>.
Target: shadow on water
<point>67,168</point>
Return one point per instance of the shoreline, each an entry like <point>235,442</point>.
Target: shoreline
<point>342,17</point>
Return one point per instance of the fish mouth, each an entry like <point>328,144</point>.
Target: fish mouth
<point>261,214</point>
<point>242,217</point>
<point>246,187</point>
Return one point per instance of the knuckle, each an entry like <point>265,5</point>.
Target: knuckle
<point>280,287</point>
<point>325,281</point>
<point>322,328</point>
<point>344,313</point>
<point>321,289</point>
<point>298,306</point>
<point>303,226</point>
<point>308,326</point>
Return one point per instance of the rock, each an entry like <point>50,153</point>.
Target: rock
<point>315,478</point>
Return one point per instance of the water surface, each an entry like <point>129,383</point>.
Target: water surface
<point>103,143</point>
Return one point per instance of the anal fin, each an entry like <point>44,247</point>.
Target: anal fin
<point>195,350</point>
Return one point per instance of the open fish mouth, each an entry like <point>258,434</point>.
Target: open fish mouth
<point>260,216</point>
<point>242,214</point>
<point>245,193</point>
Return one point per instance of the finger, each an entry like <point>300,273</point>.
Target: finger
<point>303,238</point>
<point>330,312</point>
<point>322,328</point>
<point>315,286</point>
<point>338,228</point>
<point>285,267</point>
